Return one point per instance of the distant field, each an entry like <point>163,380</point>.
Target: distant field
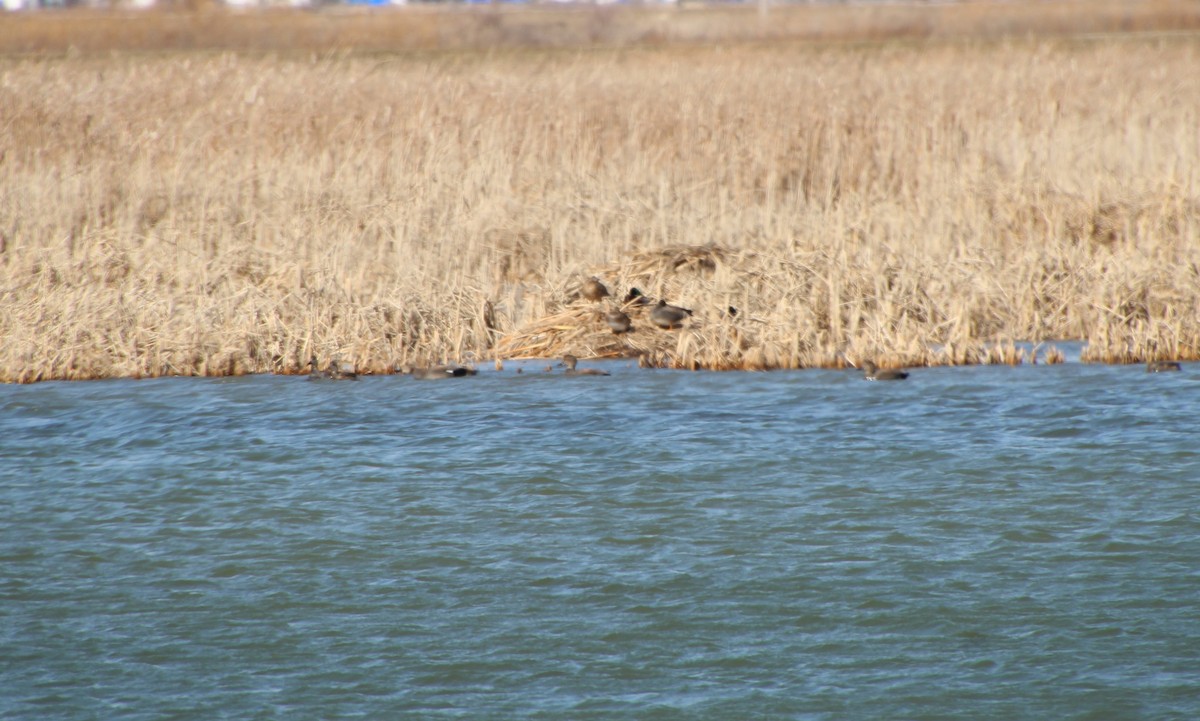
<point>451,27</point>
<point>920,201</point>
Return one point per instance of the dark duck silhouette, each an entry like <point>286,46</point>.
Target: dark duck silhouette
<point>872,372</point>
<point>1161,366</point>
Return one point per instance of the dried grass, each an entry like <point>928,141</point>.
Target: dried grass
<point>927,203</point>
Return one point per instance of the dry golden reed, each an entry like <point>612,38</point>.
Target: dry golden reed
<point>201,213</point>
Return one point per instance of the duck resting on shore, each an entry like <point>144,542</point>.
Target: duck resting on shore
<point>618,321</point>
<point>593,289</point>
<point>668,317</point>
<point>635,297</point>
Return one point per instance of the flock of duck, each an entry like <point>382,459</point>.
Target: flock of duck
<point>662,315</point>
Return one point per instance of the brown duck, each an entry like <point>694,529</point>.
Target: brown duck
<point>336,371</point>
<point>618,321</point>
<point>593,289</point>
<point>872,372</point>
<point>569,361</point>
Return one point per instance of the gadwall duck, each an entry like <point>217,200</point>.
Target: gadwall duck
<point>872,372</point>
<point>593,289</point>
<point>569,361</point>
<point>1163,365</point>
<point>314,371</point>
<point>668,317</point>
<point>438,372</point>
<point>618,321</point>
<point>340,371</point>
<point>336,371</point>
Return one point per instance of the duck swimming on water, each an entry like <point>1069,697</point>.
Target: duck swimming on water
<point>569,361</point>
<point>438,372</point>
<point>1160,366</point>
<point>336,371</point>
<point>872,372</point>
<point>314,370</point>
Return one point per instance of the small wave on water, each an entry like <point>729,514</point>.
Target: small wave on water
<point>992,542</point>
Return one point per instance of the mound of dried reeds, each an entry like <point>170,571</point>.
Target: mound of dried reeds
<point>749,312</point>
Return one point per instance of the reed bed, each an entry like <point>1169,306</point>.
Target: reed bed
<point>226,213</point>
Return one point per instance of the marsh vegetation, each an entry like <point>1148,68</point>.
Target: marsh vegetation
<point>932,202</point>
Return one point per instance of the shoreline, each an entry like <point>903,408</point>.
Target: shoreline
<point>1019,354</point>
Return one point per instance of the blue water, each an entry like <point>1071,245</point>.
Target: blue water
<point>972,543</point>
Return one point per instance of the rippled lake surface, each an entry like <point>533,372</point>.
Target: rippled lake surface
<point>972,543</point>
